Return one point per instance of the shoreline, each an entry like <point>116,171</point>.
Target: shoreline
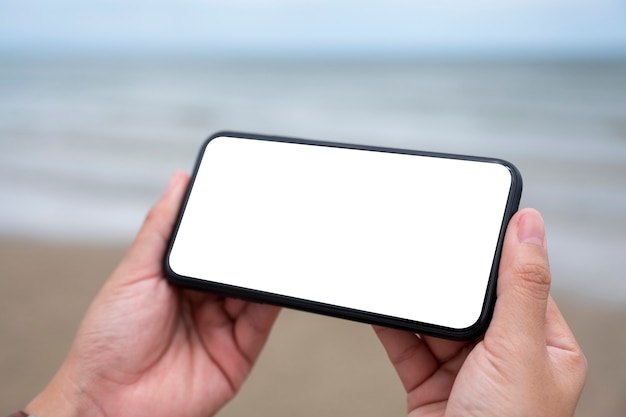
<point>311,363</point>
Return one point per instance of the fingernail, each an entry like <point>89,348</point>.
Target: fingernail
<point>530,229</point>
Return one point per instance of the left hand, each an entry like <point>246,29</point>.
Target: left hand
<point>146,348</point>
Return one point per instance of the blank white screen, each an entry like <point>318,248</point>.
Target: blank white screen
<point>402,235</point>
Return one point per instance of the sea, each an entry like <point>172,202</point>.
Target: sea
<point>87,144</point>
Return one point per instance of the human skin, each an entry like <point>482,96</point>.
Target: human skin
<point>527,364</point>
<point>148,348</point>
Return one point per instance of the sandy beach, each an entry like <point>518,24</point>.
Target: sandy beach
<point>311,366</point>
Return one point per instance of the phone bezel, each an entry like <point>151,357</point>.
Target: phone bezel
<point>467,333</point>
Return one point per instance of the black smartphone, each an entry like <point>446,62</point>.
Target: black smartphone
<point>393,237</point>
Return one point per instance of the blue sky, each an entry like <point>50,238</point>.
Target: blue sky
<point>359,27</point>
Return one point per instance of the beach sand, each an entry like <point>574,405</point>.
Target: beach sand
<point>311,366</point>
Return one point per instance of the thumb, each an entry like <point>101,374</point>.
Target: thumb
<point>523,282</point>
<point>146,252</point>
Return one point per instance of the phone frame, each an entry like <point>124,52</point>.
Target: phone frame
<point>468,333</point>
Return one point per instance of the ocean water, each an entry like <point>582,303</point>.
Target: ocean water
<point>87,145</point>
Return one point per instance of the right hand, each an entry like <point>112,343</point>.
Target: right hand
<point>527,364</point>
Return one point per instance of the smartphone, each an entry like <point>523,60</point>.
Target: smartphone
<point>393,237</point>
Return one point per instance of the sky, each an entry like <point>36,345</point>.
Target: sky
<point>326,27</point>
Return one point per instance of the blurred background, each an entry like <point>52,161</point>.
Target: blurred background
<point>100,101</point>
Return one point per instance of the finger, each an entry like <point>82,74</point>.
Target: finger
<point>234,307</point>
<point>160,219</point>
<point>252,328</point>
<point>558,333</point>
<point>442,349</point>
<point>564,350</point>
<point>151,241</point>
<point>523,282</point>
<point>410,356</point>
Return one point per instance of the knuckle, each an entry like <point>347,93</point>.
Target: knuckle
<point>579,362</point>
<point>575,366</point>
<point>534,278</point>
